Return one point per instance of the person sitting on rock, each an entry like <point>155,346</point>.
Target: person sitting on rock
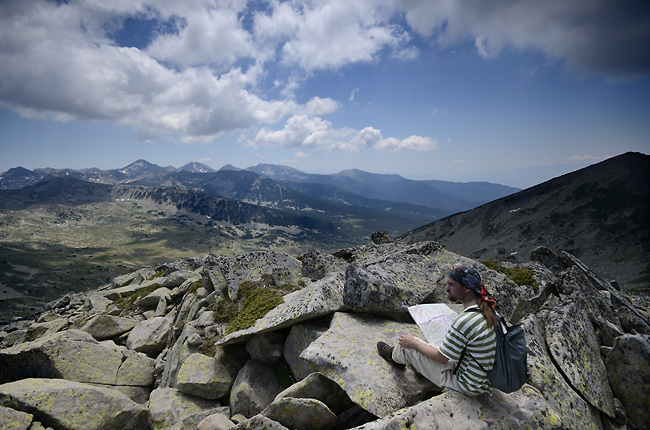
<point>472,329</point>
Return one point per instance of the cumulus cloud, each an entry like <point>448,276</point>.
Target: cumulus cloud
<point>315,132</point>
<point>596,35</point>
<point>207,71</point>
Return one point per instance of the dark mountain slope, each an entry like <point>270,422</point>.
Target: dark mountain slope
<point>599,213</point>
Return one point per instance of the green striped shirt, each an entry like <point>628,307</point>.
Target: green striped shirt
<point>470,329</point>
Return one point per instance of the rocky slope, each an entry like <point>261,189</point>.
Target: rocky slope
<point>599,214</point>
<point>265,340</point>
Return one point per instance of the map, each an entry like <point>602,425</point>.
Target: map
<point>434,319</point>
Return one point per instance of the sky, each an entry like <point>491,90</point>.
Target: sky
<point>507,91</point>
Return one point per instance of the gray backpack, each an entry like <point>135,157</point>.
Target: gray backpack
<point>510,366</point>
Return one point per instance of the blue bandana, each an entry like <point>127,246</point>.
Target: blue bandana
<point>469,278</point>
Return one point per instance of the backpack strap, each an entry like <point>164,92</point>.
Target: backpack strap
<point>462,354</point>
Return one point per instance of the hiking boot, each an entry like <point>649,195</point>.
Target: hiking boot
<point>386,352</point>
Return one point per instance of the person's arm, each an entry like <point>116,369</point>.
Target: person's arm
<point>409,341</point>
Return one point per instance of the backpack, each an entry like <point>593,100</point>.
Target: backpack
<point>510,365</point>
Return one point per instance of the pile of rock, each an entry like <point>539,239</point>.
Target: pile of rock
<point>153,349</point>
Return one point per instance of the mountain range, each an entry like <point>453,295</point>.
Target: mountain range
<point>70,230</point>
<point>356,185</point>
<point>600,214</point>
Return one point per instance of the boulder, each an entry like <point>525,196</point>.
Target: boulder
<point>152,299</point>
<point>204,377</point>
<point>254,389</point>
<point>176,278</point>
<point>74,406</point>
<point>319,387</point>
<point>11,419</point>
<point>104,326</point>
<point>266,347</point>
<point>451,410</point>
<point>347,354</point>
<point>380,237</point>
<point>38,330</point>
<point>150,336</point>
<point>321,298</point>
<point>71,354</point>
<point>169,406</point>
<point>304,414</point>
<point>316,264</point>
<point>544,375</point>
<point>259,422</point>
<point>628,371</point>
<point>215,422</point>
<point>299,338</point>
<point>284,269</point>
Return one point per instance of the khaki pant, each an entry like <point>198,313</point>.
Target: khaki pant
<point>440,374</point>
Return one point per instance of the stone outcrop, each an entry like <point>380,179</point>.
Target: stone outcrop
<point>159,348</point>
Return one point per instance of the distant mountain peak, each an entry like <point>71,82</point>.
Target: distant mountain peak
<point>140,166</point>
<point>196,167</point>
<point>278,172</point>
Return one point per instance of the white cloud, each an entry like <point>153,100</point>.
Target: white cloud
<point>353,94</point>
<point>598,35</point>
<point>209,75</point>
<point>300,154</point>
<point>209,36</point>
<point>332,34</point>
<point>305,131</point>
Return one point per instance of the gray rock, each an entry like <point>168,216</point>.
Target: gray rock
<point>548,258</point>
<point>319,387</point>
<point>304,414</point>
<point>254,389</point>
<point>216,422</point>
<point>150,336</point>
<point>191,422</point>
<point>451,411</point>
<point>38,330</point>
<point>251,267</point>
<point>96,303</point>
<point>573,344</point>
<point>152,299</point>
<point>389,290</point>
<point>575,412</point>
<point>259,422</point>
<point>204,377</point>
<point>632,322</point>
<point>73,405</point>
<point>169,406</point>
<point>316,265</point>
<point>266,347</point>
<point>177,278</point>
<point>380,237</point>
<point>317,299</point>
<point>104,326</point>
<point>11,419</point>
<point>347,354</point>
<point>71,354</point>
<point>299,338</point>
<point>628,370</point>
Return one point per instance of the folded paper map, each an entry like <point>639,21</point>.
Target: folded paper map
<point>434,319</point>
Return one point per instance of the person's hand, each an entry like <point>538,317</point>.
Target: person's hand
<point>407,341</point>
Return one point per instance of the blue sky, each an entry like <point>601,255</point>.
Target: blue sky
<point>507,91</point>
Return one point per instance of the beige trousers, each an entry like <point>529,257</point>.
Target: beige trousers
<point>440,374</point>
